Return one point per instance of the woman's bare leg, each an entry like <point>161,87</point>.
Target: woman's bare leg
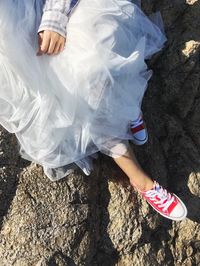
<point>130,166</point>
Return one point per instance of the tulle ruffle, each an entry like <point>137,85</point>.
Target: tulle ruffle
<point>68,107</point>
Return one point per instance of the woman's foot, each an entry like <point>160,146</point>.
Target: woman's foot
<point>165,203</point>
<point>139,131</point>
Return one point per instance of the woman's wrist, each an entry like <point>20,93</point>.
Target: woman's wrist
<point>54,21</point>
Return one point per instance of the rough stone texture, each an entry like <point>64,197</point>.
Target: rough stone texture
<point>100,220</point>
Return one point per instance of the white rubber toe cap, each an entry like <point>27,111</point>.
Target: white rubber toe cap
<point>140,137</point>
<point>179,212</point>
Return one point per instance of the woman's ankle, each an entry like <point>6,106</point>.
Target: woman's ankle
<point>143,185</point>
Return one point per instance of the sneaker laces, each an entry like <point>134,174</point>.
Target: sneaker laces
<point>160,196</point>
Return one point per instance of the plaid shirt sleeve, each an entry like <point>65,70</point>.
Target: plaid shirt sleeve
<point>56,15</point>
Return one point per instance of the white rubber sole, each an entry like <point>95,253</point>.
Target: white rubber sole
<point>139,142</point>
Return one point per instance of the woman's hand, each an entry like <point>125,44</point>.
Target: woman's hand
<point>50,42</point>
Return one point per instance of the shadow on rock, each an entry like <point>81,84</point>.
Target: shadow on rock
<point>106,253</point>
<point>11,165</point>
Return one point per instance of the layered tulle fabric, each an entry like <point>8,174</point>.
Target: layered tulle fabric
<point>65,108</point>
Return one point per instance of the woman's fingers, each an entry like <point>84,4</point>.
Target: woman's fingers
<point>59,47</point>
<point>40,38</point>
<point>52,46</point>
<point>45,42</point>
<point>57,44</point>
<point>62,46</point>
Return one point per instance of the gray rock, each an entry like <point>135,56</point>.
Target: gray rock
<point>99,219</point>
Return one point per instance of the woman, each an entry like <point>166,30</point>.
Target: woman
<point>83,92</point>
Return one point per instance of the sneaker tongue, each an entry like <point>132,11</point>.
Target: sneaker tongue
<point>157,187</point>
<point>159,195</point>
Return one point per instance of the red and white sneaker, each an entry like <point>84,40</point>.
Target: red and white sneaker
<point>139,131</point>
<point>165,203</point>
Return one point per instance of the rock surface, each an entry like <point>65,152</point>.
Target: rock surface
<point>100,220</point>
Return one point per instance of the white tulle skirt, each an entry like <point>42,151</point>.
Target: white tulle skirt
<point>63,109</point>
